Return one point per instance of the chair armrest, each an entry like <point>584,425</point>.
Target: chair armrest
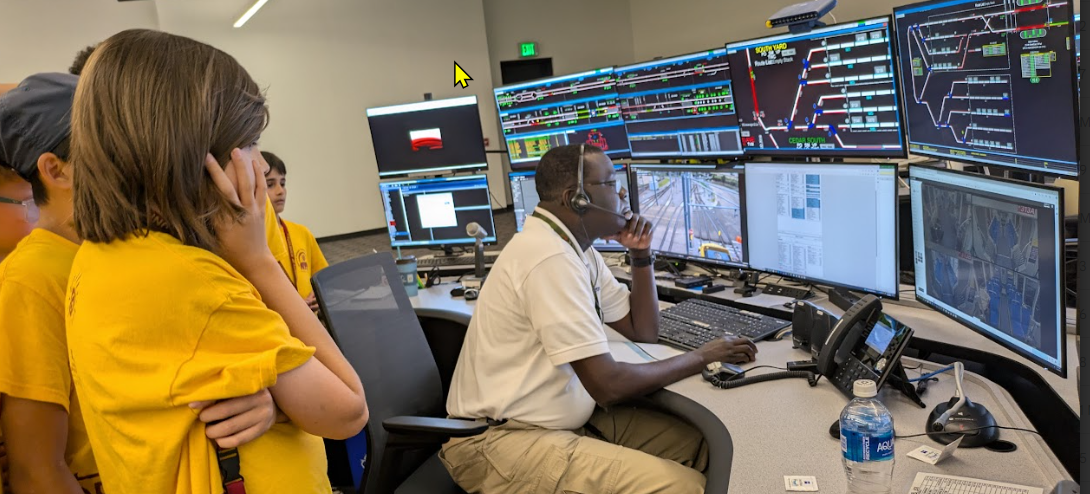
<point>429,426</point>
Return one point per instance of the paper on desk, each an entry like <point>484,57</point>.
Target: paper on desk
<point>932,456</point>
<point>933,483</point>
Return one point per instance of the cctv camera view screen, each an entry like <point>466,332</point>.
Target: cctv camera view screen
<point>987,253</point>
<point>696,213</point>
<point>988,81</point>
<point>830,91</point>
<point>427,136</point>
<point>573,109</point>
<point>436,211</point>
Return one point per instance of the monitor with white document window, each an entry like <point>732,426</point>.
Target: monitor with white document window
<point>435,212</point>
<point>831,224</point>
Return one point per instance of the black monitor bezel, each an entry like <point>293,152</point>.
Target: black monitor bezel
<point>969,159</point>
<point>896,238</point>
<point>468,168</point>
<point>739,169</point>
<point>1060,279</point>
<point>838,154</point>
<point>740,155</point>
<point>470,241</point>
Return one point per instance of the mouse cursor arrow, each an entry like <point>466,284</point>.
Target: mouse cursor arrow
<point>461,78</point>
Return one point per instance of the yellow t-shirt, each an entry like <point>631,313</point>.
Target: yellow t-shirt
<point>33,351</point>
<point>305,256</point>
<point>154,325</point>
<point>274,235</point>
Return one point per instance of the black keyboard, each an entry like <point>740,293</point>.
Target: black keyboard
<point>428,262</point>
<point>694,322</point>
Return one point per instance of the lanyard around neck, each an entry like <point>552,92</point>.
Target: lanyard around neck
<point>564,235</point>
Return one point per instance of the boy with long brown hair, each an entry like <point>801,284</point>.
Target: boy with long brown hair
<point>175,296</point>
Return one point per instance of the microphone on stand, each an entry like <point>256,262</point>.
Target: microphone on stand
<point>475,230</point>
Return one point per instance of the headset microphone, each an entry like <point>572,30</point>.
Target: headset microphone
<point>626,214</point>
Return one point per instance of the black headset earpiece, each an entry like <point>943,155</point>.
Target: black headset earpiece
<point>580,201</point>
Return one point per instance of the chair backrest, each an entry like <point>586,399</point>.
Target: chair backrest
<point>372,320</point>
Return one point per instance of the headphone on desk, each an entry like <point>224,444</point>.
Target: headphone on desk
<point>580,202</point>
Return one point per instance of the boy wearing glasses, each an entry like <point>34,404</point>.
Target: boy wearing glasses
<point>18,213</point>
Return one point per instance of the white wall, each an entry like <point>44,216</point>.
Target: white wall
<point>45,35</point>
<point>577,34</point>
<point>324,62</point>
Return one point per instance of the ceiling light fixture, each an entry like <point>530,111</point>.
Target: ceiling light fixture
<point>250,13</point>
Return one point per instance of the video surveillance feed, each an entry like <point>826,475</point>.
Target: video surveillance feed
<point>983,258</point>
<point>696,214</point>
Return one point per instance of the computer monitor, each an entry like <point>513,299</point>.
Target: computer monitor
<point>524,199</point>
<point>827,92</point>
<point>990,82</point>
<point>680,107</point>
<point>435,211</point>
<point>698,212</point>
<point>428,137</point>
<point>988,253</point>
<point>572,109</point>
<point>831,224</point>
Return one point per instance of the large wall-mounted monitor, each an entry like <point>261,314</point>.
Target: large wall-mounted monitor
<point>831,224</point>
<point>830,92</point>
<point>579,108</point>
<point>988,254</point>
<point>428,137</point>
<point>991,82</point>
<point>698,212</point>
<point>680,107</point>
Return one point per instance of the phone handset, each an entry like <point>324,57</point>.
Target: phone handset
<point>838,341</point>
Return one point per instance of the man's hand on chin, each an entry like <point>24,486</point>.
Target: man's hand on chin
<point>635,235</point>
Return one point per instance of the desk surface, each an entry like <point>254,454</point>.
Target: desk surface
<point>789,434</point>
<point>928,324</point>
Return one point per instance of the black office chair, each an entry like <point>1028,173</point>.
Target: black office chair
<point>369,314</point>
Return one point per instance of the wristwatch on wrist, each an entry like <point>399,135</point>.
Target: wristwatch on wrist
<point>642,262</point>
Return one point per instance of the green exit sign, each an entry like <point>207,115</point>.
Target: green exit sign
<point>528,49</point>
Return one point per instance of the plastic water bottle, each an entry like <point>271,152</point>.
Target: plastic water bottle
<point>866,441</point>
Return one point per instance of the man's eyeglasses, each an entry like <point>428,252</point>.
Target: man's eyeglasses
<point>30,208</point>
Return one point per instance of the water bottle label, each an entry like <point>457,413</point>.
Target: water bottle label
<point>859,446</point>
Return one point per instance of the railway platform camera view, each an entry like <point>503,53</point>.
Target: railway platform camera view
<point>697,212</point>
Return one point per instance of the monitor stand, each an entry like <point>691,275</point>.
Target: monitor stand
<point>748,288</point>
<point>448,251</point>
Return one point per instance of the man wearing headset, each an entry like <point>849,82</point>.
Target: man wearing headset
<point>536,365</point>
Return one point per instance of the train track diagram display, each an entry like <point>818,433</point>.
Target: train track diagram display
<point>990,81</point>
<point>830,92</point>
<point>573,109</point>
<point>680,107</point>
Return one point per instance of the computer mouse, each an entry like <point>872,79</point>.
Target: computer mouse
<point>834,430</point>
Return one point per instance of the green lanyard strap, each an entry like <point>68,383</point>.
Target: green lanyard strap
<point>560,231</point>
